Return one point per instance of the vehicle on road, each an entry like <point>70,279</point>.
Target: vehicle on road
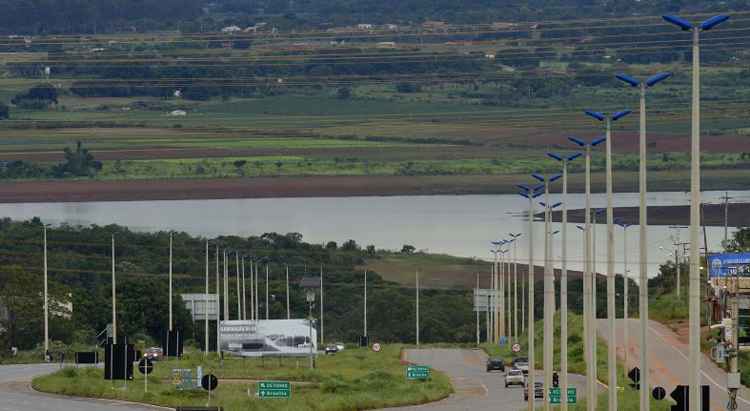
<point>515,377</point>
<point>538,392</point>
<point>522,363</point>
<point>153,353</point>
<point>339,346</point>
<point>331,349</point>
<point>495,364</point>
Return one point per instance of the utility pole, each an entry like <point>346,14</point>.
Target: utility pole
<point>244,300</point>
<point>678,261</point>
<point>417,290</point>
<point>267,292</point>
<point>239,294</point>
<point>218,304</point>
<point>257,293</point>
<point>46,295</point>
<point>726,199</point>
<point>477,308</point>
<point>205,308</point>
<point>170,282</point>
<point>252,288</point>
<point>611,313</point>
<point>531,193</point>
<point>322,341</point>
<point>114,295</point>
<point>365,307</point>
<point>226,287</point>
<point>514,237</point>
<point>288,313</point>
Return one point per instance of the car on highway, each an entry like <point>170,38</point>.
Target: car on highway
<point>339,346</point>
<point>331,349</point>
<point>514,376</point>
<point>153,353</point>
<point>522,363</point>
<point>495,364</point>
<point>538,392</point>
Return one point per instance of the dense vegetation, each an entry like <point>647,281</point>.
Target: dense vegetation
<point>71,16</point>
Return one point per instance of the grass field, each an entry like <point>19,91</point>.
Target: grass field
<point>352,379</point>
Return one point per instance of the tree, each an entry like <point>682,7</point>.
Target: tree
<point>344,93</point>
<point>4,111</point>
<point>331,245</point>
<point>79,163</point>
<point>408,249</point>
<point>37,97</point>
<point>350,245</point>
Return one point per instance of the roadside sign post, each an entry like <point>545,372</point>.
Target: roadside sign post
<point>145,366</point>
<point>516,347</point>
<point>572,395</point>
<point>554,395</point>
<point>417,372</point>
<point>376,347</point>
<point>274,389</point>
<point>209,382</point>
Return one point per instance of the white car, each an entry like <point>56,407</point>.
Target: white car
<point>515,377</point>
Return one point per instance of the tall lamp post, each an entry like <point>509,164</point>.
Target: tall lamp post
<point>612,353</point>
<point>514,237</point>
<point>549,287</point>
<point>564,279</point>
<point>643,266</point>
<point>695,203</point>
<point>589,337</point>
<point>531,192</point>
<point>626,283</point>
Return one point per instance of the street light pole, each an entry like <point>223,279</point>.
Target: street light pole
<point>643,238</point>
<point>170,281</point>
<point>626,283</point>
<point>564,280</point>
<point>611,351</point>
<point>514,237</point>
<point>549,289</point>
<point>589,335</point>
<point>114,295</point>
<point>531,193</point>
<point>417,291</point>
<point>205,307</point>
<point>695,205</point>
<point>218,304</point>
<point>46,295</point>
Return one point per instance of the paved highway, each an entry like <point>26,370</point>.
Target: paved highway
<point>16,393</point>
<point>668,361</point>
<point>475,389</point>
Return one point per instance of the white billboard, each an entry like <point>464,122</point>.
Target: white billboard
<point>259,338</point>
<point>202,305</point>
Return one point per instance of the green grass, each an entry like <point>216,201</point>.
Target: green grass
<point>437,270</point>
<point>352,379</point>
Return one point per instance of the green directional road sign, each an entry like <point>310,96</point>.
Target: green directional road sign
<point>572,395</point>
<point>274,389</point>
<point>417,372</point>
<point>554,395</point>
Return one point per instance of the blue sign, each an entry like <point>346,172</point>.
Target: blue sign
<point>729,265</point>
<point>503,340</point>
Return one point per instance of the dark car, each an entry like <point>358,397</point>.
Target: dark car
<point>495,364</point>
<point>538,392</point>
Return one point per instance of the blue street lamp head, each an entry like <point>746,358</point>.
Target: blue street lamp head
<point>577,141</point>
<point>596,115</point>
<point>538,176</point>
<point>713,22</point>
<point>554,156</point>
<point>574,156</point>
<point>555,178</point>
<point>620,114</point>
<point>598,141</point>
<point>657,78</point>
<point>679,22</point>
<point>580,227</point>
<point>630,80</point>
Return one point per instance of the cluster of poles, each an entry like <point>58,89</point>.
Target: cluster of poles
<point>212,302</point>
<point>541,187</point>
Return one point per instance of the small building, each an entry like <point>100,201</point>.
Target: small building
<point>178,113</point>
<point>364,26</point>
<point>386,45</point>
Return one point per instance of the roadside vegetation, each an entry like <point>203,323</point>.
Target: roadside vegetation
<point>355,378</point>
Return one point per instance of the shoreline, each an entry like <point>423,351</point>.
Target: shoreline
<point>332,186</point>
<point>712,215</point>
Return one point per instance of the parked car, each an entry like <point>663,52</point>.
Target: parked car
<point>495,364</point>
<point>339,346</point>
<point>538,392</point>
<point>515,377</point>
<point>522,363</point>
<point>331,349</point>
<point>153,353</point>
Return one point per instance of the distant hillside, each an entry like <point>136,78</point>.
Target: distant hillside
<point>103,16</point>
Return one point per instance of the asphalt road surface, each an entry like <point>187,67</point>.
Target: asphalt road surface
<point>16,393</point>
<point>668,361</point>
<point>475,388</point>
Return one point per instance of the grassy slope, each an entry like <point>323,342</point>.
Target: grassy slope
<point>436,270</point>
<point>352,379</point>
